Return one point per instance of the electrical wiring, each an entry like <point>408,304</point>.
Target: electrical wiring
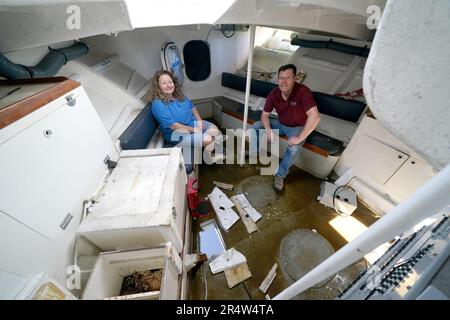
<point>207,36</point>
<point>229,36</point>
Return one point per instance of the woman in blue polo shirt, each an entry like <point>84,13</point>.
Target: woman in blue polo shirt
<point>180,122</point>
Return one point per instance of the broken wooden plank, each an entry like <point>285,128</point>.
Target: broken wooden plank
<point>223,207</point>
<point>224,185</point>
<point>268,279</point>
<point>245,204</point>
<point>227,260</point>
<point>237,274</point>
<point>249,224</point>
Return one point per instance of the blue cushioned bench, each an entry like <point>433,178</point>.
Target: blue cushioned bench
<point>337,107</point>
<point>141,131</point>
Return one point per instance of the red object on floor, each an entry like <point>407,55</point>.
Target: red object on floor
<point>192,193</point>
<point>194,201</point>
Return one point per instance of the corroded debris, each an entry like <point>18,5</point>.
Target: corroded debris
<point>143,281</point>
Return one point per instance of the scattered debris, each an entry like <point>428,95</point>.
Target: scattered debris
<point>211,241</point>
<point>250,225</point>
<point>268,279</point>
<point>237,274</point>
<point>191,260</point>
<point>255,215</point>
<point>142,281</point>
<point>224,185</point>
<point>223,208</point>
<point>227,260</point>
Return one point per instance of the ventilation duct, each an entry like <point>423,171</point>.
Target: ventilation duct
<point>48,66</point>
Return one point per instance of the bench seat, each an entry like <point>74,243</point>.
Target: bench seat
<point>322,151</point>
<point>316,141</point>
<point>142,130</point>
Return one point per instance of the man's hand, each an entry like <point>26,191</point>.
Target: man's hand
<point>270,136</point>
<point>294,140</point>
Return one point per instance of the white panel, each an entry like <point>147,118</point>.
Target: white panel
<point>11,284</point>
<point>408,178</point>
<point>412,108</point>
<point>53,174</point>
<point>134,187</point>
<point>33,23</point>
<point>320,75</point>
<point>375,159</point>
<point>112,103</point>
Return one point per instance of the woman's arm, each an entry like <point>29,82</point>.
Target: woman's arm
<point>183,128</point>
<point>196,114</point>
<point>199,123</point>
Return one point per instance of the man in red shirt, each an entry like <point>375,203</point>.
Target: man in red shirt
<point>297,118</point>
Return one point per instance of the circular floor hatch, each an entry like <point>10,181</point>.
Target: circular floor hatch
<point>258,190</point>
<point>301,251</point>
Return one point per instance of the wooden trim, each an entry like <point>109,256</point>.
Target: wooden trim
<point>26,106</point>
<point>31,81</point>
<point>313,148</point>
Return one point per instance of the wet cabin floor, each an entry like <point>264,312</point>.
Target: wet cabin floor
<point>294,208</point>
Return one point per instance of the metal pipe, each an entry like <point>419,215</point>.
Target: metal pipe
<point>427,201</point>
<point>247,90</point>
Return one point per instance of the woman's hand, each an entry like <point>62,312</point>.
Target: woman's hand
<point>199,126</point>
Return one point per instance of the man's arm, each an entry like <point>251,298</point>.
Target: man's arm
<point>311,123</point>
<point>266,123</point>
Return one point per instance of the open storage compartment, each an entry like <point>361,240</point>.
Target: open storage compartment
<point>111,268</point>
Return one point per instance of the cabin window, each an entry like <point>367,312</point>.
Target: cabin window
<point>197,60</point>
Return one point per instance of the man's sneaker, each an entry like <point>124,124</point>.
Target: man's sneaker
<point>278,183</point>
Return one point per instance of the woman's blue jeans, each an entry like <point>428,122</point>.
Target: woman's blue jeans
<point>190,141</point>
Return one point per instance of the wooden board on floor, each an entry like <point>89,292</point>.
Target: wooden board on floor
<point>237,274</point>
<point>250,225</point>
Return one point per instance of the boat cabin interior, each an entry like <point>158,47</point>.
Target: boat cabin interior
<point>95,199</point>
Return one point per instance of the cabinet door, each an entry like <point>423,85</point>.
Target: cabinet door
<point>376,160</point>
<point>48,169</point>
<point>411,175</point>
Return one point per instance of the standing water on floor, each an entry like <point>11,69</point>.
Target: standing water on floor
<point>293,227</point>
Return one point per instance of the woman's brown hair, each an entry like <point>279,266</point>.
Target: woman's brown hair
<point>155,92</point>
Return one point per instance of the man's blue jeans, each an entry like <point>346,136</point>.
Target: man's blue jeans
<point>292,152</point>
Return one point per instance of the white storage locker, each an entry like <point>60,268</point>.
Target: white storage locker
<point>50,160</point>
<point>111,268</point>
<point>142,204</point>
